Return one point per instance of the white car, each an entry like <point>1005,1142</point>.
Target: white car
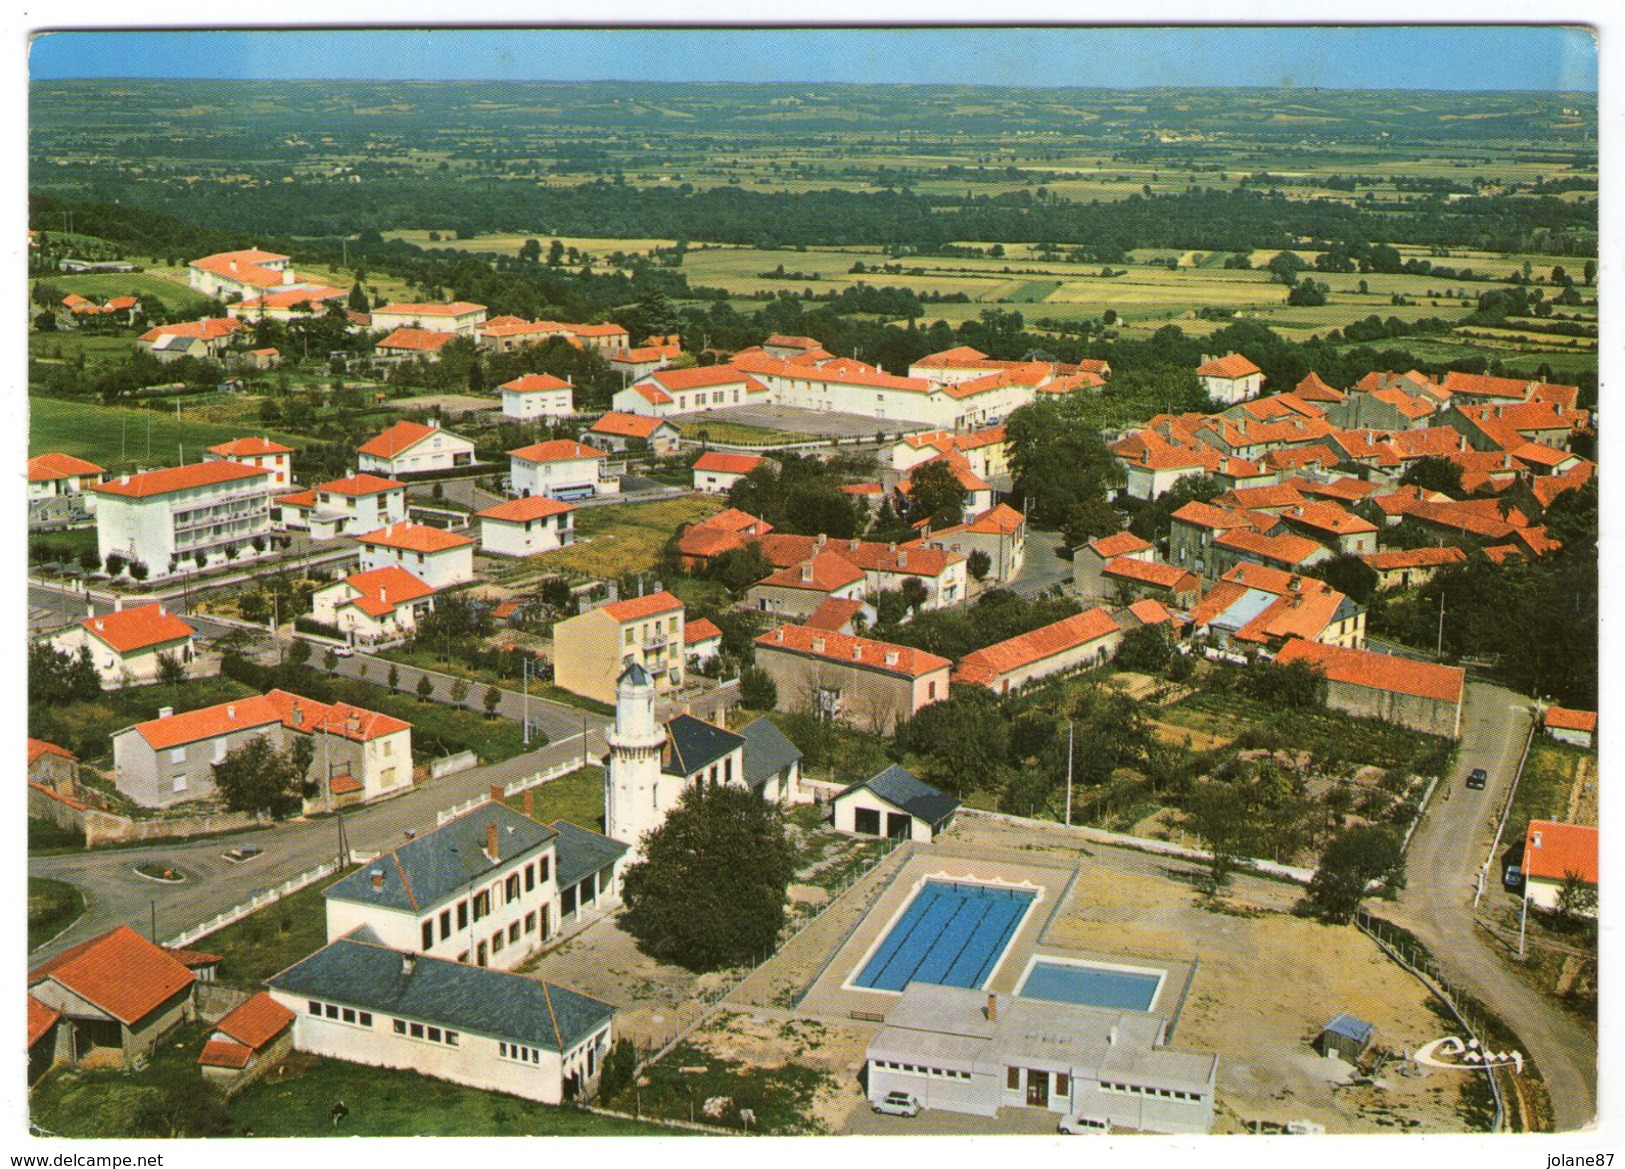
<point>1079,1125</point>
<point>897,1104</point>
<point>343,651</point>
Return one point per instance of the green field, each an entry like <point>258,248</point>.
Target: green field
<point>577,797</point>
<point>271,939</point>
<point>621,538</point>
<point>52,907</point>
<point>100,286</point>
<point>121,439</point>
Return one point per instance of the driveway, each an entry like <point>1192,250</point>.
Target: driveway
<point>1441,877</point>
<point>1044,566</point>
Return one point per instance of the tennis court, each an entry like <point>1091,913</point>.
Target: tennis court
<point>950,934</point>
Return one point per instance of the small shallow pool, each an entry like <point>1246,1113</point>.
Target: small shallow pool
<point>1090,984</point>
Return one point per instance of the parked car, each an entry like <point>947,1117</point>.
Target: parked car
<point>1512,878</point>
<point>343,651</point>
<point>1079,1125</point>
<point>1477,778</point>
<point>897,1104</point>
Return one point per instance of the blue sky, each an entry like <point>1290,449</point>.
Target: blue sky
<point>1448,57</point>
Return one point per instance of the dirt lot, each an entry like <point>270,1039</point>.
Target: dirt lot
<point>770,1039</point>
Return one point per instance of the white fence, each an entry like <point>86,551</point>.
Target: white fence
<point>565,767</point>
<point>258,901</point>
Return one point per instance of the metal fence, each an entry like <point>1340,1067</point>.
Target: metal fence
<point>258,901</point>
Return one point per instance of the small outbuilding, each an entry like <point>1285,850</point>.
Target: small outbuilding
<point>1578,727</point>
<point>1345,1037</point>
<point>894,804</point>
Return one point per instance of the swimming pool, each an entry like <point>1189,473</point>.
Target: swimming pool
<point>950,933</point>
<point>1091,984</point>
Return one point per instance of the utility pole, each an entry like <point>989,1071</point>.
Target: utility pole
<point>1069,773</point>
<point>1440,653</point>
<point>152,925</point>
<point>525,670</point>
<point>1523,917</point>
<point>583,739</point>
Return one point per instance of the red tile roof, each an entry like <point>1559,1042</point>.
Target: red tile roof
<point>1205,515</point>
<point>1556,716</point>
<point>38,747</point>
<point>1328,517</point>
<point>1312,389</point>
<point>1375,671</point>
<point>727,463</point>
<point>172,479</point>
<point>456,308</point>
<point>535,383</point>
<point>1484,386</point>
<point>362,484</point>
<point>1415,558</point>
<point>383,589</point>
<point>244,447</point>
<point>1151,611</point>
<point>959,358</point>
<point>415,538</point>
<point>653,395</point>
<point>607,329</point>
<point>1118,544</point>
<point>120,972</point>
<point>1283,549</point>
<point>206,330</point>
<point>398,438</point>
<point>299,498</point>
<point>41,1019</point>
<point>698,377</point>
<point>835,613</point>
<point>531,507</point>
<point>787,341</point>
<point>1025,649</point>
<point>854,651</point>
<point>700,629</point>
<point>628,425</point>
<point>1231,365</point>
<point>45,468</point>
<point>823,573</point>
<point>261,710</point>
<point>223,1053</point>
<point>416,340</point>
<point>555,451</point>
<point>1149,572</point>
<point>1551,851</point>
<point>257,1021</point>
<point>138,629</point>
<point>637,608</point>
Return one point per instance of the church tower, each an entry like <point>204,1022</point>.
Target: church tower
<point>633,800</point>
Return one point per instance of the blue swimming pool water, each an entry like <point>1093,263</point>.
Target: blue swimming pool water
<point>950,934</point>
<point>1090,986</point>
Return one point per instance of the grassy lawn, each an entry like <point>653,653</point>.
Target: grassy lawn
<point>96,349</point>
<point>738,432</point>
<point>271,939</point>
<point>480,678</point>
<point>622,538</point>
<point>84,727</point>
<point>577,797</point>
<point>52,907</point>
<point>175,295</point>
<point>119,438</point>
<point>389,1103</point>
<point>1543,789</point>
<point>53,547</point>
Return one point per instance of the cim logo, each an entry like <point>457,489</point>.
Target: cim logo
<point>1452,1054</point>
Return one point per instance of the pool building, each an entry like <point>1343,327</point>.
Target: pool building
<point>965,1050</point>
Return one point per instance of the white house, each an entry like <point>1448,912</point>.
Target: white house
<point>126,646</point>
<point>561,469</point>
<point>1552,853</point>
<point>619,431</point>
<point>53,477</point>
<point>893,804</point>
<point>257,452</point>
<point>1230,379</point>
<point>702,641</point>
<point>369,607</point>
<point>524,527</point>
<point>537,395</point>
<point>358,503</point>
<point>249,272</point>
<point>357,999</point>
<point>184,517</point>
<point>459,317</point>
<point>679,391</point>
<point>717,471</point>
<point>435,556</point>
<point>412,446</point>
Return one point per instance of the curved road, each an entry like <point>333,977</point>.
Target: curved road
<point>1437,905</point>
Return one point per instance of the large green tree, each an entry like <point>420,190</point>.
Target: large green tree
<point>256,777</point>
<point>710,890</point>
<point>936,494</point>
<point>1353,859</point>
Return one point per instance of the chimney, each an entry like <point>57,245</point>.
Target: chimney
<point>857,651</point>
<point>778,635</point>
<point>1294,583</point>
<point>231,710</point>
<point>233,265</point>
<point>298,716</point>
<point>1534,840</point>
<point>90,608</point>
<point>891,657</point>
<point>852,544</point>
<point>496,797</point>
<point>807,572</point>
<point>408,964</point>
<point>353,724</point>
<point>377,880</point>
<point>822,540</point>
<point>530,803</point>
<point>383,595</point>
<point>165,711</point>
<point>1111,1036</point>
<point>118,604</point>
<point>491,842</point>
<point>992,1007</point>
<point>100,628</point>
<point>902,558</point>
<point>818,645</point>
<point>161,611</point>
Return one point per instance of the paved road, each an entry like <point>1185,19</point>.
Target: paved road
<point>114,894</point>
<point>1044,567</point>
<point>1441,873</point>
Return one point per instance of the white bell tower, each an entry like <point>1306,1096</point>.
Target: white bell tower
<point>633,802</point>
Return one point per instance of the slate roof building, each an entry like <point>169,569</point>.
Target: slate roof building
<point>772,762</point>
<point>359,1000</point>
<point>1346,1037</point>
<point>894,804</point>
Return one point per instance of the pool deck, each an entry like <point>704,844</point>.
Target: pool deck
<point>1056,883</point>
